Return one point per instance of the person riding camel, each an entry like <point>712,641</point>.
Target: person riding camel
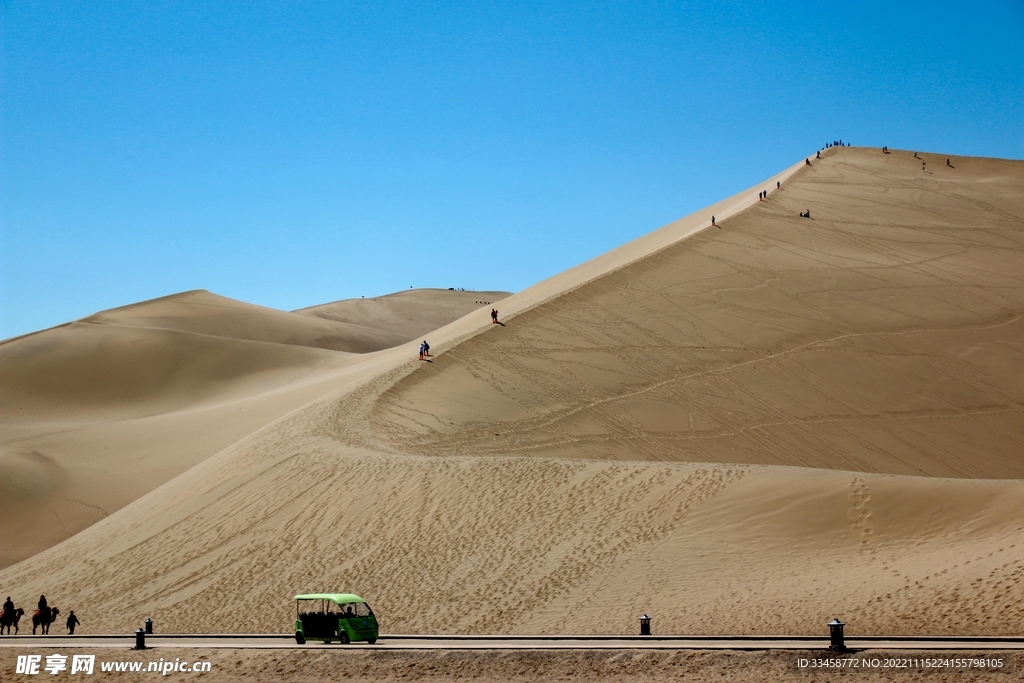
<point>8,606</point>
<point>42,603</point>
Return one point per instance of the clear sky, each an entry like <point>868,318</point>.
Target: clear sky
<point>289,154</point>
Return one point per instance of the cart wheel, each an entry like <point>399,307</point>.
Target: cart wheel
<point>343,639</point>
<point>371,641</point>
<point>299,638</point>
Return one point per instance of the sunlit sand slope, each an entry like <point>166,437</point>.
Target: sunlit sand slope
<point>536,545</point>
<point>403,316</point>
<point>846,341</point>
<point>100,411</point>
<point>883,334</point>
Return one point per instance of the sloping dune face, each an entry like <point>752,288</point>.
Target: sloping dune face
<point>100,411</point>
<point>403,316</point>
<point>882,334</point>
<point>567,509</point>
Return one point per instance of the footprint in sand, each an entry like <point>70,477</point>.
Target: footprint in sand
<point>859,512</point>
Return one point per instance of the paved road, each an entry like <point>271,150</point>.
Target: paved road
<point>407,642</point>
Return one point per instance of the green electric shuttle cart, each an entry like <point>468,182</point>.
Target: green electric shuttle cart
<point>330,617</point>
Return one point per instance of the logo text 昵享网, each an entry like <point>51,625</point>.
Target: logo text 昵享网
<point>56,663</point>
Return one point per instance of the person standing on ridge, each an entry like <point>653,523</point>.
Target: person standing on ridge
<point>713,222</point>
<point>422,351</point>
<point>426,348</point>
<point>494,315</point>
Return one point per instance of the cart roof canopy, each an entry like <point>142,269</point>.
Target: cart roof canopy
<point>336,598</point>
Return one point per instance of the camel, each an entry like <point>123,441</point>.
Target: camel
<point>10,618</point>
<point>43,618</point>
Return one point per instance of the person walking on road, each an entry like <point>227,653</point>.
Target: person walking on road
<point>72,623</point>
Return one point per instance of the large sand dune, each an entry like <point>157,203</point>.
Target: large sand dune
<point>746,429</point>
<point>875,336</point>
<point>100,411</point>
<point>395,318</point>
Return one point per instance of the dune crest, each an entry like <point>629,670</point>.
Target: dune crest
<point>403,316</point>
<point>872,337</point>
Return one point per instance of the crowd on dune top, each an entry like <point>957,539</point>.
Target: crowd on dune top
<point>763,195</point>
<point>41,618</point>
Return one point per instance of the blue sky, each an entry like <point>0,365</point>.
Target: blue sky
<point>289,154</point>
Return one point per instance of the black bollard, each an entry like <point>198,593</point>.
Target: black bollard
<point>835,633</point>
<point>140,639</point>
<point>149,626</point>
<point>645,625</point>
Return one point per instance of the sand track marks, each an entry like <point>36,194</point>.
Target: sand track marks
<point>882,336</point>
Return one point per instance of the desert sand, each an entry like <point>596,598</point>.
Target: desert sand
<point>750,428</point>
<point>98,412</point>
<point>396,318</point>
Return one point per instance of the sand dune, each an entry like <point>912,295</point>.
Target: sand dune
<point>744,430</point>
<point>100,411</point>
<point>397,318</point>
<point>876,336</point>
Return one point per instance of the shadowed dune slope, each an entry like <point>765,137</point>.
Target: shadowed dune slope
<point>878,335</point>
<point>100,411</point>
<point>883,334</point>
<point>403,316</point>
